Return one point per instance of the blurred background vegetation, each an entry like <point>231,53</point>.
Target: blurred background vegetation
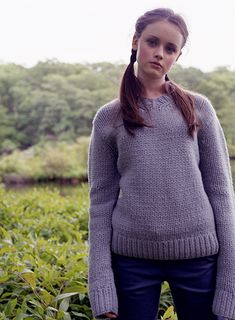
<point>46,113</point>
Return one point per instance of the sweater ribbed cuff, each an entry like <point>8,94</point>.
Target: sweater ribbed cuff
<point>224,304</point>
<point>103,300</point>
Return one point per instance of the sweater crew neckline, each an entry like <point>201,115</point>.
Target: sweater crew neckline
<point>163,100</point>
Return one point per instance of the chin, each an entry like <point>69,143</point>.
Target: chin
<point>156,75</point>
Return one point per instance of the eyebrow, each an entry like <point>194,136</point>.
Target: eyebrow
<point>171,43</point>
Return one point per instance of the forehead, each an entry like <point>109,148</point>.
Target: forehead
<point>165,31</point>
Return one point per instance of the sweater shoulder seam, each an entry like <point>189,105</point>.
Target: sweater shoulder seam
<point>206,108</point>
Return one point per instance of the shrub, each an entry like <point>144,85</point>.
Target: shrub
<point>43,256</point>
<point>57,160</point>
<point>43,249</point>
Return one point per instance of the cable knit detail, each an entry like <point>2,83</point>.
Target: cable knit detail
<point>159,195</point>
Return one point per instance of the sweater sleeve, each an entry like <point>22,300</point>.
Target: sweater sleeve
<point>217,179</point>
<point>103,179</point>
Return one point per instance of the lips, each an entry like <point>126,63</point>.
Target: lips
<point>157,64</point>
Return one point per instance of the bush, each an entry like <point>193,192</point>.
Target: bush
<point>58,160</point>
<point>43,249</point>
<point>43,256</point>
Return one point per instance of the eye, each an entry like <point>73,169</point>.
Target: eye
<point>152,42</point>
<point>170,49</point>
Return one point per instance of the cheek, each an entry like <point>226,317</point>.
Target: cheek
<point>142,53</point>
<point>170,60</point>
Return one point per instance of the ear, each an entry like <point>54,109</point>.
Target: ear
<point>134,42</point>
<point>178,56</point>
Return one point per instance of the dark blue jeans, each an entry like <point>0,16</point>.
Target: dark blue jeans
<point>138,283</point>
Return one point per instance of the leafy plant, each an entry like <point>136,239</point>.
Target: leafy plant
<point>43,256</point>
<point>43,250</point>
<point>50,161</point>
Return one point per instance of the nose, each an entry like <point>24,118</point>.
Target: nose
<point>159,52</point>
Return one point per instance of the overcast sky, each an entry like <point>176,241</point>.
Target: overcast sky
<point>101,30</point>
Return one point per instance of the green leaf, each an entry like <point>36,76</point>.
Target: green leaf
<point>66,316</point>
<point>169,313</point>
<point>21,316</point>
<point>81,315</point>
<point>46,296</point>
<point>29,276</point>
<point>39,308</point>
<point>64,305</point>
<point>77,288</point>
<point>64,295</point>
<point>50,311</point>
<point>10,307</point>
<point>4,278</point>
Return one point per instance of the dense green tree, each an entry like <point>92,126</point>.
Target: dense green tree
<point>57,101</point>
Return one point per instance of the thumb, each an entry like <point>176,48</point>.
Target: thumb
<point>111,315</point>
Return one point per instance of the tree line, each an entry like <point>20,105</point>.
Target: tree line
<point>55,101</point>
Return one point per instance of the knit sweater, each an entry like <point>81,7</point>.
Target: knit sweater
<point>159,195</point>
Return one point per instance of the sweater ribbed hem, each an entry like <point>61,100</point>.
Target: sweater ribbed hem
<point>186,248</point>
<point>103,300</point>
<point>224,304</point>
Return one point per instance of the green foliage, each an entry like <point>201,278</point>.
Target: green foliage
<point>169,314</point>
<point>52,101</point>
<point>43,250</point>
<point>166,297</point>
<point>57,101</point>
<point>43,256</point>
<point>218,86</point>
<point>46,161</point>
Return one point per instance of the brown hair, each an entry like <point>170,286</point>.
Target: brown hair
<point>131,88</point>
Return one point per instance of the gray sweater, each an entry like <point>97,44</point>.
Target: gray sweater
<point>159,195</point>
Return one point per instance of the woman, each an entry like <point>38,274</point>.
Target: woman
<point>161,193</point>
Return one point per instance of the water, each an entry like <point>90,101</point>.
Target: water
<point>64,189</point>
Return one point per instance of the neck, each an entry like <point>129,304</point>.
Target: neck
<point>153,88</point>
<point>153,92</point>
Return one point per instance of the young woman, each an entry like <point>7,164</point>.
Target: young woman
<point>161,193</point>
